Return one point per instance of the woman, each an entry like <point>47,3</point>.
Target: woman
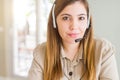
<point>71,52</point>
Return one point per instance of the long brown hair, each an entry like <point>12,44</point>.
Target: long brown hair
<point>52,64</point>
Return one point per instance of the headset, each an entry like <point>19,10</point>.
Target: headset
<point>54,21</point>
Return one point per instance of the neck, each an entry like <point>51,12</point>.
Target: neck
<point>70,47</point>
<point>70,50</point>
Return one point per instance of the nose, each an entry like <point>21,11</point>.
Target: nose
<point>74,24</point>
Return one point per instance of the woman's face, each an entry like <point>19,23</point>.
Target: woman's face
<point>72,22</point>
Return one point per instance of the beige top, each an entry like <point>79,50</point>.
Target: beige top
<point>105,62</point>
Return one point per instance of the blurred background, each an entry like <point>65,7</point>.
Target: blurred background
<point>23,26</point>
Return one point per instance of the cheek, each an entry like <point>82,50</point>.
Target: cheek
<point>62,27</point>
<point>84,24</point>
<point>61,33</point>
<point>83,27</point>
<point>61,30</point>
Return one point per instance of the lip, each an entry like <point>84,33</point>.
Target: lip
<point>73,35</point>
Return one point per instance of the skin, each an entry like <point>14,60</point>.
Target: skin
<point>72,23</point>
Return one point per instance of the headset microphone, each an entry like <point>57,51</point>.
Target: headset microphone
<point>78,40</point>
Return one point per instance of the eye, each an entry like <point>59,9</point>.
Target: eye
<point>66,18</point>
<point>81,18</point>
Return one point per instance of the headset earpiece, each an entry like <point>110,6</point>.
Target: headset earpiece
<point>88,21</point>
<point>53,16</point>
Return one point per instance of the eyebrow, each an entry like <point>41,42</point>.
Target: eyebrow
<point>70,15</point>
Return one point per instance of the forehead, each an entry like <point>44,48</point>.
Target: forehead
<point>75,8</point>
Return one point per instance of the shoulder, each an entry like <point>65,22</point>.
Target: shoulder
<point>39,53</point>
<point>105,61</point>
<point>40,48</point>
<point>103,49</point>
<point>103,44</point>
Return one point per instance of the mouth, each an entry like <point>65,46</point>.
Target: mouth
<point>73,35</point>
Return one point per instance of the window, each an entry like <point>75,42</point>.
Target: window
<point>28,31</point>
<point>25,31</point>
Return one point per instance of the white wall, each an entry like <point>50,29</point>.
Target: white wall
<point>106,18</point>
